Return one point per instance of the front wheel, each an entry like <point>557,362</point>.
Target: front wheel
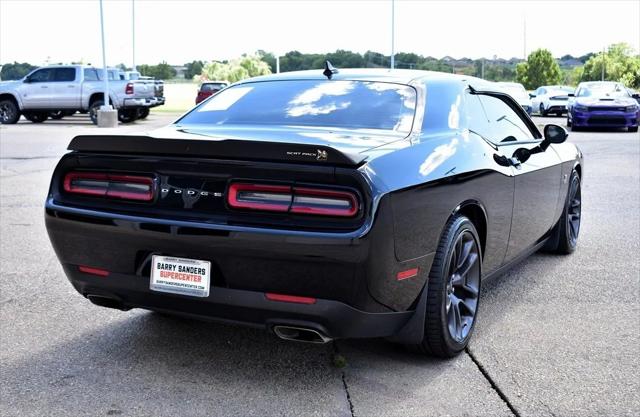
<point>542,110</point>
<point>9,112</point>
<point>453,290</point>
<point>633,128</point>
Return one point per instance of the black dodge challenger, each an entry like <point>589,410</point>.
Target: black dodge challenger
<point>320,205</point>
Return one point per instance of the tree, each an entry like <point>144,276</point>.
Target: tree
<point>235,70</point>
<point>192,69</point>
<point>540,69</point>
<point>162,71</point>
<point>15,71</point>
<point>619,65</point>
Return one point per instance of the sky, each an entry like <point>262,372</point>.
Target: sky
<point>181,31</point>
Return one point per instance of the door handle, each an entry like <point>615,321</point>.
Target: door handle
<point>44,86</point>
<point>71,86</point>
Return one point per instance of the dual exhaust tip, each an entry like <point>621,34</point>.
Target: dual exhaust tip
<point>300,334</point>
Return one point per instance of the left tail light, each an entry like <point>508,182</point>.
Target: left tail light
<point>288,199</point>
<point>129,88</point>
<point>125,187</point>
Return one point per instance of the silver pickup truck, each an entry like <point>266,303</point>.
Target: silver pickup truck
<point>67,89</point>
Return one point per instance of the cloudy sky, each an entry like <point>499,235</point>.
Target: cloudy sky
<point>181,31</point>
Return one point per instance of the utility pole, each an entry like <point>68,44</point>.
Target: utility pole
<point>393,24</point>
<point>482,72</point>
<point>107,116</point>
<point>277,63</point>
<point>133,35</point>
<point>525,38</point>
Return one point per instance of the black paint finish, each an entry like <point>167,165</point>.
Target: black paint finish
<point>408,188</point>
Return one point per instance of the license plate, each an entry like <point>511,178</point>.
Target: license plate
<point>180,276</point>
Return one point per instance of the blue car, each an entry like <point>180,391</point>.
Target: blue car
<point>603,104</point>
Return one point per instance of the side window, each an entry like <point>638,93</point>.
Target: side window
<point>65,74</point>
<point>42,75</point>
<point>542,92</point>
<point>504,124</point>
<point>90,74</point>
<point>477,120</point>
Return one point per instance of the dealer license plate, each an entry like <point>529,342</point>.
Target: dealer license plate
<point>180,276</point>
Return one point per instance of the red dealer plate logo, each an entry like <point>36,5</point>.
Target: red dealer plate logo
<point>180,276</point>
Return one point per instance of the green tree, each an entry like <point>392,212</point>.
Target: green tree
<point>192,69</point>
<point>162,71</point>
<point>619,65</point>
<point>235,70</point>
<point>15,71</point>
<point>540,69</point>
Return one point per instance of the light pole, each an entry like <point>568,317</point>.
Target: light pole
<point>393,24</point>
<point>133,34</point>
<point>107,116</point>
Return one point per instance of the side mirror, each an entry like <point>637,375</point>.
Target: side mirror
<point>555,134</point>
<point>636,95</point>
<point>27,80</point>
<point>532,96</point>
<point>571,95</point>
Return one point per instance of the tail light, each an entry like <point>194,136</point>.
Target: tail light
<point>287,199</point>
<point>126,187</point>
<point>129,88</point>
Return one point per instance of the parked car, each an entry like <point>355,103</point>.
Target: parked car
<point>209,88</point>
<point>603,104</point>
<point>320,205</point>
<point>68,88</point>
<point>518,92</point>
<point>634,94</point>
<point>157,85</point>
<point>551,99</point>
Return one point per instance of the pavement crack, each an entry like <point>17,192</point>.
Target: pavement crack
<point>493,384</point>
<point>343,375</point>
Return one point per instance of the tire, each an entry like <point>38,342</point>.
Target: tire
<point>57,115</point>
<point>93,111</point>
<point>543,112</point>
<point>633,128</point>
<point>564,237</point>
<point>447,333</point>
<point>9,112</point>
<point>36,117</point>
<point>127,116</point>
<point>569,120</point>
<point>143,113</point>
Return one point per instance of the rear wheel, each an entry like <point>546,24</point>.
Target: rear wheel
<point>143,113</point>
<point>564,237</point>
<point>93,111</point>
<point>57,115</point>
<point>9,112</point>
<point>127,115</point>
<point>36,117</point>
<point>453,291</point>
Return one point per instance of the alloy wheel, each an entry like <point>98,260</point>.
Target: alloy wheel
<point>574,211</point>
<point>6,112</point>
<point>463,286</point>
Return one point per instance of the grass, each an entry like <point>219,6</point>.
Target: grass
<point>180,97</point>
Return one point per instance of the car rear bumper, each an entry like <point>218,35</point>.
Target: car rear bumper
<point>604,119</point>
<point>341,273</point>
<point>131,103</point>
<point>330,318</point>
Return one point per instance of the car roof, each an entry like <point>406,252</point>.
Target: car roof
<point>400,76</point>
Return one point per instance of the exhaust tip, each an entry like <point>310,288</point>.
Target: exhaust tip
<point>300,334</point>
<point>102,301</point>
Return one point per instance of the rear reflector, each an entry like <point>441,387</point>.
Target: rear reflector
<point>301,200</point>
<point>126,187</point>
<point>409,273</point>
<point>289,298</point>
<point>93,271</point>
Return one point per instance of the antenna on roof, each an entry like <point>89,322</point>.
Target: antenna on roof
<point>329,70</point>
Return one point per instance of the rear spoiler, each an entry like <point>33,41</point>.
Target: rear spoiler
<point>207,148</point>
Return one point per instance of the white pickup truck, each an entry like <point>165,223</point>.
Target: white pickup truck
<point>65,89</point>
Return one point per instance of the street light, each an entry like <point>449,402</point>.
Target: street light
<point>107,116</point>
<point>393,23</point>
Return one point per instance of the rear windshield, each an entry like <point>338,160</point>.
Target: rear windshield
<point>212,87</point>
<point>320,103</point>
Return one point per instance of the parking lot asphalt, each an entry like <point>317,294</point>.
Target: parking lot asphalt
<point>557,335</point>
